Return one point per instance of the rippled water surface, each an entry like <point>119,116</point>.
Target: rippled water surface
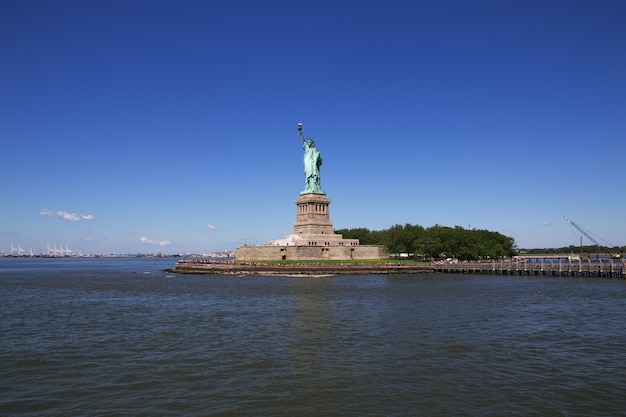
<point>122,337</point>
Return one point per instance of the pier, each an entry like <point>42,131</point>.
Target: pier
<point>547,266</point>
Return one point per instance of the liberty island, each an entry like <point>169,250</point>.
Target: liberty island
<point>313,238</point>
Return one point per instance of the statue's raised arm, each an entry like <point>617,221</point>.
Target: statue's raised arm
<point>312,163</point>
<point>300,133</point>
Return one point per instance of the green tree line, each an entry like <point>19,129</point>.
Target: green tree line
<point>436,242</point>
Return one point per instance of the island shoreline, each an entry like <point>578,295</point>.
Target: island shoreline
<point>259,268</point>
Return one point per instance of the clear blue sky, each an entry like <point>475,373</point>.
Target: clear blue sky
<point>170,126</point>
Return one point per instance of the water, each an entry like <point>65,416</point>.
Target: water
<point>117,337</point>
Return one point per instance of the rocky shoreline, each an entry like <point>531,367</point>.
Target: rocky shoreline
<point>253,268</point>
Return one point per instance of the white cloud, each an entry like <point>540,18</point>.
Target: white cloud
<point>210,226</point>
<point>70,217</point>
<point>147,241</point>
<point>546,223</point>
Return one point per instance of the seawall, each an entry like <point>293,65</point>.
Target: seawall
<point>259,268</point>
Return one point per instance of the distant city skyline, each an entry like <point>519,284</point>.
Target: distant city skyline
<point>171,127</point>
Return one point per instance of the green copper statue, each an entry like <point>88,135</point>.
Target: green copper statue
<point>312,163</point>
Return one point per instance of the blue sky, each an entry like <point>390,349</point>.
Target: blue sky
<point>170,126</point>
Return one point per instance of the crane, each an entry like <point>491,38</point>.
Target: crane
<point>581,230</point>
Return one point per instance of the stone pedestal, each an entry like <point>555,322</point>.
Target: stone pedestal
<point>313,216</point>
<point>313,238</point>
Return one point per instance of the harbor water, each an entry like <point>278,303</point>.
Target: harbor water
<point>118,337</point>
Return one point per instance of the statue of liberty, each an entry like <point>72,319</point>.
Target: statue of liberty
<point>312,163</point>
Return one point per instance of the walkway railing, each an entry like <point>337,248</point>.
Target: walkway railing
<point>562,269</point>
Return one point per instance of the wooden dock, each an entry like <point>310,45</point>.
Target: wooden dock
<point>562,269</point>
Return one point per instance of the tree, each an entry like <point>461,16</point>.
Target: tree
<point>437,241</point>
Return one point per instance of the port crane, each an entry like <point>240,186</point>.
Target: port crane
<point>588,236</point>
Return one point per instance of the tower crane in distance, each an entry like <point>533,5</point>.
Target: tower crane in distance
<point>584,232</point>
